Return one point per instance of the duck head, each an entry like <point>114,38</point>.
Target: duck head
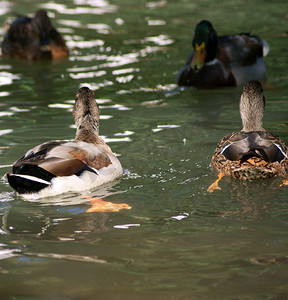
<point>42,26</point>
<point>205,44</point>
<point>86,114</point>
<point>252,106</point>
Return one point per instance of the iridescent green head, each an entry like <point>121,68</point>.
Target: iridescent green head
<point>205,44</point>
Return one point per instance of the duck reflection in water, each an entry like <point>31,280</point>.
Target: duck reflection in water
<point>70,216</point>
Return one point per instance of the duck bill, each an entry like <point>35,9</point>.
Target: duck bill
<point>199,57</point>
<point>45,48</point>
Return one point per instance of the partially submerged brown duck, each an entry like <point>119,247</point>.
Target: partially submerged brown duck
<point>252,153</point>
<point>34,39</point>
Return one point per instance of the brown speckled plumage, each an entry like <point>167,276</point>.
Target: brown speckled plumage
<point>34,39</point>
<point>251,153</point>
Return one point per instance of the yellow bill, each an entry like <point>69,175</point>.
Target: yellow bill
<point>199,56</point>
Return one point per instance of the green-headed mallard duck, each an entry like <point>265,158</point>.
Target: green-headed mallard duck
<point>59,166</point>
<point>34,38</point>
<point>252,153</point>
<point>228,60</point>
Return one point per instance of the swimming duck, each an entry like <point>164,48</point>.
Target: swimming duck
<point>59,166</point>
<point>228,60</point>
<point>33,39</point>
<point>252,153</point>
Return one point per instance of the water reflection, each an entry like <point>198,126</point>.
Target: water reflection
<point>155,4</point>
<point>5,7</point>
<point>7,78</point>
<point>156,22</point>
<point>176,237</point>
<point>96,7</point>
<point>87,75</point>
<point>250,200</point>
<point>160,40</point>
<point>35,221</point>
<point>71,217</point>
<point>78,42</point>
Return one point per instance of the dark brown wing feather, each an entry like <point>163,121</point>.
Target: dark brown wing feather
<point>259,143</point>
<point>62,158</point>
<point>242,48</point>
<point>258,149</point>
<point>38,154</point>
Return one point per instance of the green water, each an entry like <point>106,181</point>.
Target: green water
<point>184,243</point>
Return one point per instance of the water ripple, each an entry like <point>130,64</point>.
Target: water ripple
<point>5,7</point>
<point>162,127</point>
<point>161,40</point>
<point>5,131</point>
<point>87,74</point>
<point>7,78</point>
<point>124,71</point>
<point>84,44</point>
<point>97,9</point>
<point>100,28</point>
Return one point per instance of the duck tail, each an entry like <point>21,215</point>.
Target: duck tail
<point>266,48</point>
<point>26,184</point>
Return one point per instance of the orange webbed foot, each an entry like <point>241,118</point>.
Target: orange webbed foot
<point>284,181</point>
<point>99,205</point>
<point>214,185</point>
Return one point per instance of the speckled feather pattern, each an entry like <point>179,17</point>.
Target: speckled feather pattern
<point>252,153</point>
<point>252,168</point>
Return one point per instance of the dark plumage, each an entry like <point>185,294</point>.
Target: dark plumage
<point>34,39</point>
<point>222,60</point>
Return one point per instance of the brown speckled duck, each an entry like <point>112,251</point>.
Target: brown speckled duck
<point>34,39</point>
<point>60,166</point>
<point>228,60</point>
<point>252,153</point>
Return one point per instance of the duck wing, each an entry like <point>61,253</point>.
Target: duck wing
<point>243,145</point>
<point>64,158</point>
<point>57,44</point>
<point>242,48</point>
<point>35,170</point>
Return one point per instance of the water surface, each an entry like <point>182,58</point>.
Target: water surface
<point>177,241</point>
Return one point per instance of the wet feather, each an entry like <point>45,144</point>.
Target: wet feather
<point>59,166</point>
<point>251,153</point>
<point>222,61</point>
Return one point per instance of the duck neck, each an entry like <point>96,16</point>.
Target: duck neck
<point>212,48</point>
<point>255,126</point>
<point>251,116</point>
<point>88,130</point>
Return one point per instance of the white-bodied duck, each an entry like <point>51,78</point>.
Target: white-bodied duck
<point>60,166</point>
